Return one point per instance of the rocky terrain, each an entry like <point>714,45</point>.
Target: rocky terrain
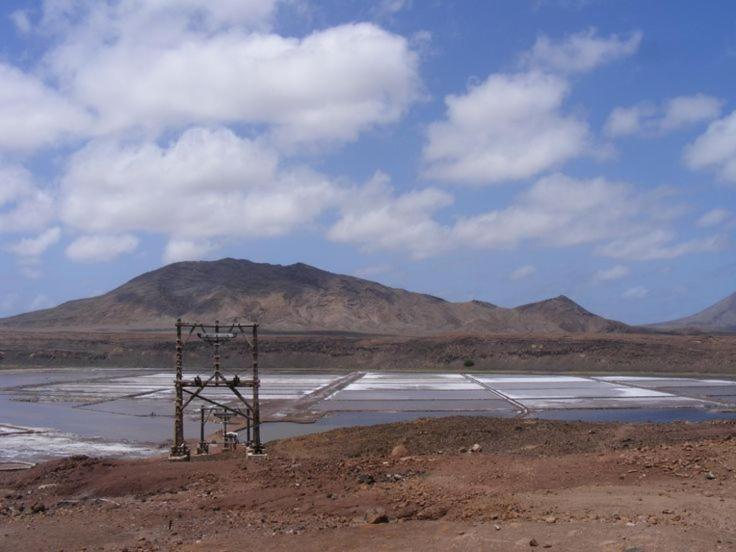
<point>718,318</point>
<point>299,297</point>
<point>450,484</point>
<point>588,353</point>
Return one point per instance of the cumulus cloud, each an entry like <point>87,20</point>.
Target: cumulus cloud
<point>36,246</point>
<point>624,121</point>
<point>522,272</point>
<point>613,273</point>
<point>579,52</point>
<point>507,128</point>
<point>24,207</point>
<point>207,183</point>
<point>688,110</point>
<point>157,65</point>
<point>673,114</point>
<point>28,251</point>
<point>34,115</point>
<point>659,244</point>
<point>715,149</point>
<point>133,65</point>
<point>714,217</point>
<point>187,250</point>
<point>21,21</point>
<point>557,211</point>
<point>377,218</point>
<point>100,248</point>
<point>636,292</point>
<point>560,211</point>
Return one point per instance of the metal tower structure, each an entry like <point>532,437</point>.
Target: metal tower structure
<point>197,387</point>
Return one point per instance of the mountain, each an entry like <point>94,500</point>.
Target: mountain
<point>299,297</point>
<point>718,318</point>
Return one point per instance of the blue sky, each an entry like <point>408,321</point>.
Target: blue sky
<point>508,151</point>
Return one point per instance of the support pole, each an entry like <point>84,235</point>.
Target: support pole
<point>203,447</point>
<point>179,451</point>
<point>217,351</point>
<point>257,446</point>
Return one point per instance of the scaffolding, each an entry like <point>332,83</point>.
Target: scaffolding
<point>196,387</point>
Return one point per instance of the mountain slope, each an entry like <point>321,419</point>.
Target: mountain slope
<point>299,297</point>
<point>718,318</point>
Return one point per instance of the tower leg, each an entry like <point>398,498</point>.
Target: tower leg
<point>257,447</point>
<point>179,450</point>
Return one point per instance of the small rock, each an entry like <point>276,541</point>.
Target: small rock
<point>710,475</point>
<point>376,515</point>
<point>476,448</point>
<point>366,479</point>
<point>550,519</point>
<point>497,527</point>
<point>533,542</point>
<point>38,508</point>
<point>399,450</point>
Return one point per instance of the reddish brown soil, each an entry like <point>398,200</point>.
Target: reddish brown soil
<point>560,486</point>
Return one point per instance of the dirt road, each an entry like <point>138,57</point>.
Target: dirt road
<point>411,486</point>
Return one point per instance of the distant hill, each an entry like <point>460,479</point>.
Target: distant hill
<point>299,298</point>
<point>718,318</point>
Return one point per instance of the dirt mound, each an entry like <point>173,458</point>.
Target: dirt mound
<point>572,486</point>
<point>460,433</point>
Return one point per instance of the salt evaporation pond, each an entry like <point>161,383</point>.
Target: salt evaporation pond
<point>49,413</point>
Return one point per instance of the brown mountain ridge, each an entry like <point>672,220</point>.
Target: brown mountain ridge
<point>299,298</point>
<point>718,318</point>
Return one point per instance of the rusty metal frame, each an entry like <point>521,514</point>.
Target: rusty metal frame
<point>196,387</point>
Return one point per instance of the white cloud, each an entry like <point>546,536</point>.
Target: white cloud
<point>24,207</point>
<point>658,244</point>
<point>165,65</point>
<point>688,110</point>
<point>101,248</point>
<point>158,65</point>
<point>522,272</point>
<point>507,128</point>
<point>388,8</point>
<point>21,21</point>
<point>375,217</point>
<point>715,149</point>
<point>653,120</point>
<point>187,250</point>
<point>636,292</point>
<point>579,52</point>
<point>557,211</point>
<point>33,114</point>
<point>613,273</point>
<point>560,211</point>
<point>207,183</point>
<point>35,247</point>
<point>625,121</point>
<point>714,217</point>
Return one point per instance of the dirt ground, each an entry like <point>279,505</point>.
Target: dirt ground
<point>527,485</point>
<point>586,353</point>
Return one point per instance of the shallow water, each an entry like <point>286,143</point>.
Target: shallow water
<point>110,412</point>
<point>281,430</point>
<point>640,415</point>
